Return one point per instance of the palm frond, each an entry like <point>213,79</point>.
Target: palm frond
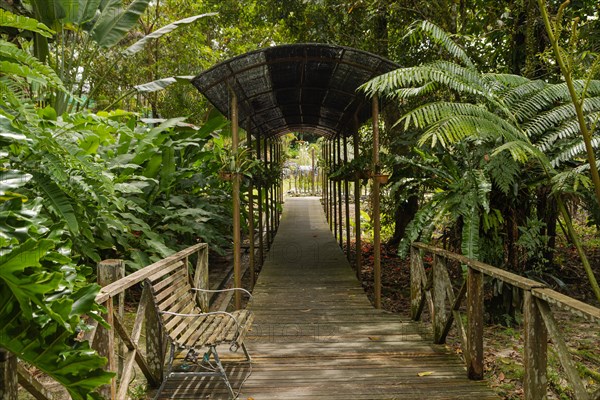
<point>419,29</point>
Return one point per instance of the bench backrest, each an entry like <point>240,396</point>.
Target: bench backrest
<point>172,292</point>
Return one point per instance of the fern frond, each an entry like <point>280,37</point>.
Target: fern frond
<point>13,55</point>
<point>542,100</point>
<point>406,93</point>
<point>507,81</point>
<point>574,151</point>
<point>546,120</point>
<point>419,29</point>
<point>513,96</point>
<point>504,171</point>
<point>521,151</point>
<point>461,79</point>
<point>444,73</point>
<point>547,98</point>
<point>570,181</point>
<point>58,201</point>
<point>453,129</point>
<point>470,234</point>
<point>387,84</point>
<point>11,20</point>
<point>422,218</point>
<point>432,113</point>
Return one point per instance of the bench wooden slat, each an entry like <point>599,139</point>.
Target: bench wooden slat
<point>175,286</point>
<point>162,272</point>
<point>180,274</point>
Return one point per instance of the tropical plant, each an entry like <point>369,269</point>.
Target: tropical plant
<point>44,293</point>
<point>488,114</point>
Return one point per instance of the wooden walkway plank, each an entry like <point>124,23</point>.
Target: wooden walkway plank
<point>316,335</point>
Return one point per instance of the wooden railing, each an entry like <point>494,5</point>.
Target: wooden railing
<point>120,345</point>
<point>435,289</point>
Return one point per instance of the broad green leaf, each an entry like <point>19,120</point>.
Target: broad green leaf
<point>12,180</point>
<point>115,22</point>
<point>58,200</point>
<point>139,45</point>
<point>11,20</point>
<point>48,11</point>
<point>161,84</point>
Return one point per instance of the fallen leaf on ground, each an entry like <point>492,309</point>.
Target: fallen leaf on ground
<point>426,373</point>
<point>374,338</point>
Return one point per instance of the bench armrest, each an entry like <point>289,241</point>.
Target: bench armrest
<point>223,290</point>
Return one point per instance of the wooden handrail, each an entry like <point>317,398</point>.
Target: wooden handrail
<point>138,276</point>
<point>436,289</point>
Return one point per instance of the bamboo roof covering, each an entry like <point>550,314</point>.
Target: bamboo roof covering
<point>295,88</point>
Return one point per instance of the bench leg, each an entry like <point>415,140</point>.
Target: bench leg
<point>222,371</point>
<point>248,358</point>
<point>169,369</point>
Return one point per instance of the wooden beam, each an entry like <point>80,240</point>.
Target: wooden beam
<point>375,195</point>
<point>108,271</point>
<point>474,353</point>
<point>535,350</point>
<point>8,375</point>
<point>32,385</point>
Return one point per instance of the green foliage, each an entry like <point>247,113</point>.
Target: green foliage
<point>489,132</point>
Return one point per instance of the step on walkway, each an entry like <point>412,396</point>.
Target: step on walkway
<point>316,335</point>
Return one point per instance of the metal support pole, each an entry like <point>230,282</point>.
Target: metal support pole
<point>346,202</point>
<point>376,217</point>
<point>323,180</point>
<point>357,232</point>
<point>251,260</point>
<point>312,172</point>
<point>340,205</point>
<point>334,191</point>
<point>273,202</point>
<point>267,198</point>
<point>259,188</point>
<point>237,240</point>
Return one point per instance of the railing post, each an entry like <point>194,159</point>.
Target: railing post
<point>109,271</point>
<point>535,349</point>
<point>155,344</point>
<point>8,379</point>
<point>201,278</point>
<point>439,298</point>
<point>474,354</point>
<point>416,290</point>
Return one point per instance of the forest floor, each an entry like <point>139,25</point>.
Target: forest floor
<point>503,343</point>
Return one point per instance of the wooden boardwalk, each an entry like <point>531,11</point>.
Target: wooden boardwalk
<point>316,335</point>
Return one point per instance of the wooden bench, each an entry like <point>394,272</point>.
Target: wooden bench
<point>190,328</point>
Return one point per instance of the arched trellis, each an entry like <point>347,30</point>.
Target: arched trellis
<point>299,88</point>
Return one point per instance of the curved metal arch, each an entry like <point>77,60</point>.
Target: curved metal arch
<point>295,88</point>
